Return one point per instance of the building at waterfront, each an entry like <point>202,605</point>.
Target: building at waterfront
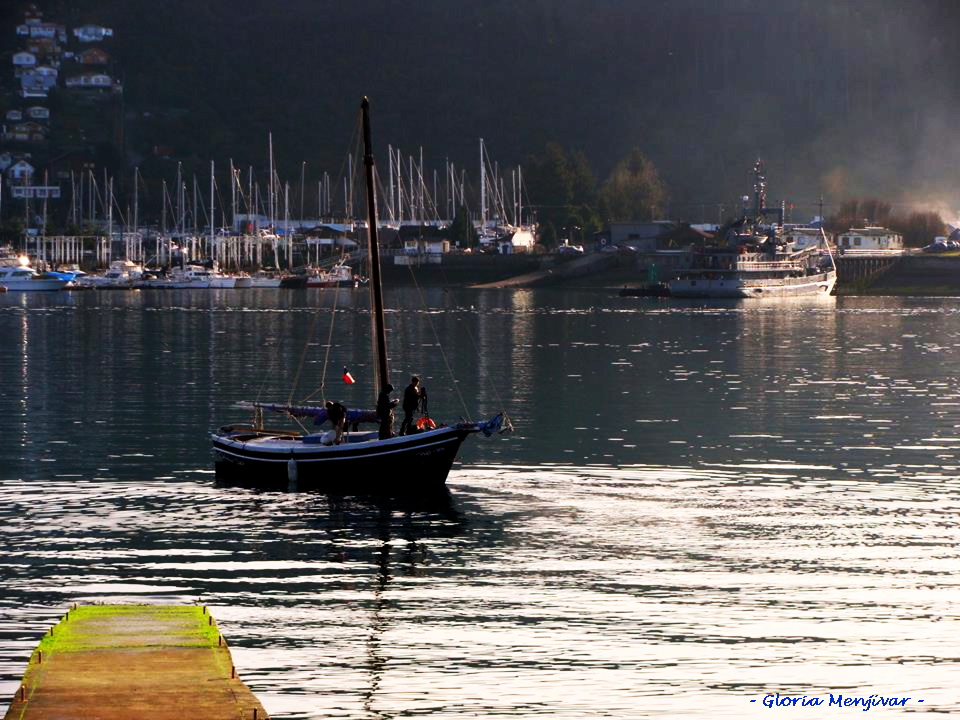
<point>870,238</point>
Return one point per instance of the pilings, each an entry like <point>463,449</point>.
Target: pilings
<point>115,662</point>
<point>855,271</point>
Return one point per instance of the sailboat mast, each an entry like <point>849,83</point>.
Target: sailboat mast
<point>483,191</point>
<point>380,333</point>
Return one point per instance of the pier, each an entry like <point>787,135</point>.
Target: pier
<point>557,272</point>
<point>116,662</point>
<point>860,271</point>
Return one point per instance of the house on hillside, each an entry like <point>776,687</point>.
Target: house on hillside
<point>23,60</point>
<point>52,31</point>
<point>90,80</point>
<point>21,172</point>
<point>25,132</point>
<point>92,33</point>
<point>38,81</point>
<point>93,56</point>
<point>14,115</point>
<point>38,112</point>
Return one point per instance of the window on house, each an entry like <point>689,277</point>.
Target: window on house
<point>856,241</point>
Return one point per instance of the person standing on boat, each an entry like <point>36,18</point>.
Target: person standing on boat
<point>385,406</point>
<point>337,415</point>
<point>411,401</point>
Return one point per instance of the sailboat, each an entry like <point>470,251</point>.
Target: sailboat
<point>254,455</point>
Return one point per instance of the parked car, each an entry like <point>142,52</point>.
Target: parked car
<point>939,244</point>
<point>570,249</point>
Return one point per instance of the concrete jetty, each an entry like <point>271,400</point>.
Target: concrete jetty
<point>120,662</point>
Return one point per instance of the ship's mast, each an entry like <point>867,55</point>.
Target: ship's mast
<point>759,189</point>
<point>380,333</point>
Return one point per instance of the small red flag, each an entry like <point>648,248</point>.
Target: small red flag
<point>348,378</point>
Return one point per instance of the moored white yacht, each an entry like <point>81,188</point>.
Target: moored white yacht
<point>265,279</point>
<point>25,278</point>
<point>122,274</point>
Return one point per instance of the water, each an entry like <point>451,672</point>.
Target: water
<point>702,503</point>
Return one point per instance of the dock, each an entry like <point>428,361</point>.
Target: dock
<point>579,267</point>
<point>118,662</point>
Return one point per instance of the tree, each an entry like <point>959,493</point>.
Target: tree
<point>564,191</point>
<point>919,228</point>
<point>547,234</point>
<point>858,212</point>
<point>634,190</point>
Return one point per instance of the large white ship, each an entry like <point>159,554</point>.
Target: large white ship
<point>754,259</point>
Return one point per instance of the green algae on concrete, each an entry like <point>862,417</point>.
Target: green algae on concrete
<point>118,662</point>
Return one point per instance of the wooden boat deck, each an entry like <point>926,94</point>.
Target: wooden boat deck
<point>116,662</point>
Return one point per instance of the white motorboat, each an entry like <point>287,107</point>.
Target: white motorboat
<point>25,278</point>
<point>121,275</point>
<point>265,279</point>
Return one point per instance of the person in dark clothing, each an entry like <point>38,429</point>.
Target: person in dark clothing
<point>337,415</point>
<point>385,406</point>
<point>411,401</point>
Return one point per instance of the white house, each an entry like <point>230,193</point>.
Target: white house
<point>95,80</point>
<point>37,82</point>
<point>14,115</point>
<point>870,238</point>
<point>38,112</point>
<point>426,246</point>
<point>92,33</point>
<point>21,171</point>
<point>48,30</point>
<point>25,60</point>
<point>802,236</point>
<point>25,132</point>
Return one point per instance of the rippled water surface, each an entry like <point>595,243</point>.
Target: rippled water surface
<point>701,504</point>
